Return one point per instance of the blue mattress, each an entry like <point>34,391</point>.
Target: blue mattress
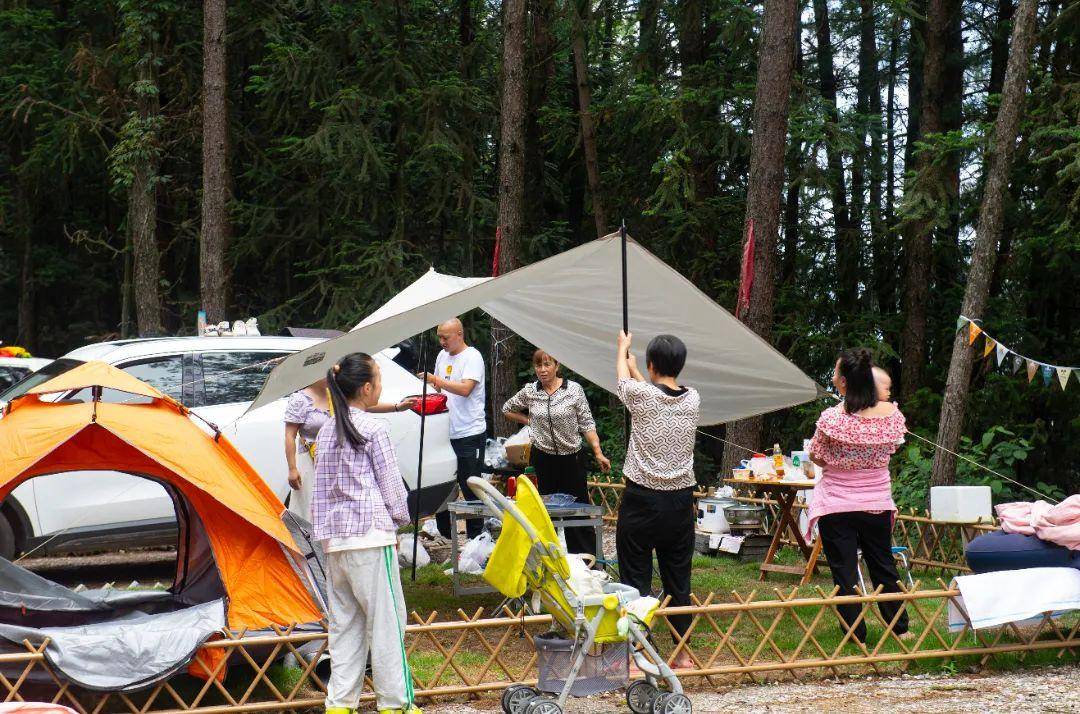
<point>996,551</point>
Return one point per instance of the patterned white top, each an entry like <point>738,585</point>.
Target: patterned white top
<point>662,435</point>
<point>556,420</point>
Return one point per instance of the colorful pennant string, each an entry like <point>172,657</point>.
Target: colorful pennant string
<point>1002,353</point>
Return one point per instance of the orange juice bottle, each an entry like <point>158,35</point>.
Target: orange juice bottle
<point>778,461</point>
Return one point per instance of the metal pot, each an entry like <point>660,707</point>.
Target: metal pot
<point>744,515</point>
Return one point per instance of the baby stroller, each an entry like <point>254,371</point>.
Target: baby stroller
<point>529,557</point>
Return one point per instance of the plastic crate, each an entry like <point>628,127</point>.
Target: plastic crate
<point>602,672</point>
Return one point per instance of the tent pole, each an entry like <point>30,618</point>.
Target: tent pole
<point>625,316</point>
<point>420,454</point>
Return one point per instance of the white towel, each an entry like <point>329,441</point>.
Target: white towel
<point>1014,595</point>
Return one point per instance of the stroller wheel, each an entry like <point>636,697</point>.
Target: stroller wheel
<point>516,697</point>
<point>543,706</point>
<point>670,703</point>
<point>640,696</point>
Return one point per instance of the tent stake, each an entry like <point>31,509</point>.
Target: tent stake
<point>420,455</point>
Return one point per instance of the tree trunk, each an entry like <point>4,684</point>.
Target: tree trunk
<point>27,324</point>
<point>538,79</point>
<point>870,98</point>
<point>142,208</point>
<point>999,53</point>
<point>766,181</point>
<point>847,241</point>
<point>213,268</point>
<point>467,36</point>
<point>588,125</point>
<point>947,261</point>
<point>991,218</point>
<point>511,195</point>
<point>927,179</point>
<point>886,280</point>
<point>890,124</point>
<point>916,60</point>
<point>398,126</point>
<point>794,163</point>
<point>648,61</point>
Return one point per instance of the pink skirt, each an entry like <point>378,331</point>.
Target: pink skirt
<point>844,491</point>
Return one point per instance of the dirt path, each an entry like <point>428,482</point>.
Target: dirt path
<point>1055,689</point>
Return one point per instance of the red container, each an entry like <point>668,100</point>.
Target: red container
<point>511,486</point>
<point>431,404</point>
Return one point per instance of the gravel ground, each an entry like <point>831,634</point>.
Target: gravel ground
<point>1052,689</point>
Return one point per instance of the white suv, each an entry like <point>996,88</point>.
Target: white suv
<point>217,378</point>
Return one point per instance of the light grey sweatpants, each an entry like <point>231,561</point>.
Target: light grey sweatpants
<point>367,612</point>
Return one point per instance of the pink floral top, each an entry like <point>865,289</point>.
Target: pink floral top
<point>848,441</point>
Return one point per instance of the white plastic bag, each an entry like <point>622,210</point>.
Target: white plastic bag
<point>583,580</point>
<point>405,546</point>
<point>524,436</point>
<point>495,454</point>
<point>430,527</point>
<point>475,554</point>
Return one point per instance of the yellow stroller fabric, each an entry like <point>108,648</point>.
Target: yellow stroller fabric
<point>505,569</point>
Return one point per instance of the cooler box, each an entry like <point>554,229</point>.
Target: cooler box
<point>961,504</point>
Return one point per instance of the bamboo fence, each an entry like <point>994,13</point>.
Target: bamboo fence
<point>788,634</point>
<point>791,634</point>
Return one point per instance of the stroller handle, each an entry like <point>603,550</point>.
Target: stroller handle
<point>499,504</point>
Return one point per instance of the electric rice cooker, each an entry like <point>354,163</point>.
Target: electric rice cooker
<point>710,514</point>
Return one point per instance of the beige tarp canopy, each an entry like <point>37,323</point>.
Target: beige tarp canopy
<point>571,306</point>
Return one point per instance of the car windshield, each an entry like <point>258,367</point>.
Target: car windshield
<point>44,374</point>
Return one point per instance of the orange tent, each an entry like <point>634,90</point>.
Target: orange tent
<point>232,544</point>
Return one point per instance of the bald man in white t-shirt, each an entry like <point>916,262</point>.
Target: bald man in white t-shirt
<point>459,374</point>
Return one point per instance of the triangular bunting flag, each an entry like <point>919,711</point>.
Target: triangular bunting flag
<point>1002,351</point>
<point>1048,374</point>
<point>1063,375</point>
<point>1032,368</point>
<point>990,344</point>
<point>973,332</point>
<point>960,322</point>
<point>1018,362</point>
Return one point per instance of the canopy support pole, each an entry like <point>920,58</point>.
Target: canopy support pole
<point>625,316</point>
<point>420,454</point>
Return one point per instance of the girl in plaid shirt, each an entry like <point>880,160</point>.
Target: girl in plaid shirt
<point>359,502</point>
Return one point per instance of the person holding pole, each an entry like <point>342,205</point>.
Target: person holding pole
<point>656,514</point>
<point>559,414</point>
<point>459,373</point>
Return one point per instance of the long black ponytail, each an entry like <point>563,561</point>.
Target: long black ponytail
<point>344,380</point>
<point>857,369</point>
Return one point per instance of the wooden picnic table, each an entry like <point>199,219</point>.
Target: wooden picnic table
<point>784,492</point>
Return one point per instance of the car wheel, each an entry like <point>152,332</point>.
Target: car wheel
<point>7,539</point>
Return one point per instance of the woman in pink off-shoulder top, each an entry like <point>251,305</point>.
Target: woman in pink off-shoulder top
<point>853,506</point>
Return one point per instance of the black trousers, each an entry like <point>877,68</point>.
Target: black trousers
<point>661,522</point>
<point>842,536</point>
<point>565,473</point>
<point>470,459</point>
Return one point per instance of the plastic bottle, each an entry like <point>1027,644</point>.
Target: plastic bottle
<point>530,473</point>
<point>778,460</point>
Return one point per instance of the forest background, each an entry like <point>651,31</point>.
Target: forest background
<point>303,160</point>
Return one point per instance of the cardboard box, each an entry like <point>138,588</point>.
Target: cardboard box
<point>518,454</point>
